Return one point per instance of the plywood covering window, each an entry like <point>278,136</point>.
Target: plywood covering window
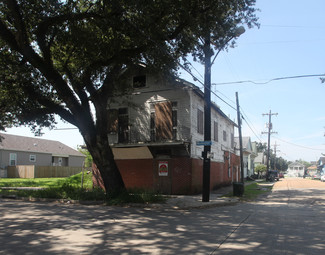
<point>164,121</point>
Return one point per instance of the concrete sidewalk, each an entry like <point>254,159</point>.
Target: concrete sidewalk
<point>176,202</point>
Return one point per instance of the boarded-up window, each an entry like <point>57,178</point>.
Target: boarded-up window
<point>215,131</point>
<point>164,121</point>
<point>200,121</point>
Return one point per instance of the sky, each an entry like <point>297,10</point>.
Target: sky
<point>289,43</point>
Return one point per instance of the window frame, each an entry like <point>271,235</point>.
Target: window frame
<point>31,156</point>
<point>10,159</point>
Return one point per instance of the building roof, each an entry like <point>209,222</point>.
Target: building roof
<point>296,164</point>
<point>36,145</point>
<point>247,145</point>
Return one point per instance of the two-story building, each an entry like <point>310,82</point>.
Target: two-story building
<point>154,133</point>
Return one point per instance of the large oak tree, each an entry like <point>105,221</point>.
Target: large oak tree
<point>66,58</point>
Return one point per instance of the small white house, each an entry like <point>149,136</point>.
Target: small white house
<point>296,170</point>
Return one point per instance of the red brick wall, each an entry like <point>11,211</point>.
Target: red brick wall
<point>136,173</point>
<point>181,176</point>
<point>184,174</point>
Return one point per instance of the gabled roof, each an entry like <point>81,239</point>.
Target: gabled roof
<point>296,164</point>
<point>247,145</point>
<point>36,145</point>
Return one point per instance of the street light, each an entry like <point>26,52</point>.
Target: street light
<point>207,107</point>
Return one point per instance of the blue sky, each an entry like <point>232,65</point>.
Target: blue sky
<point>290,42</point>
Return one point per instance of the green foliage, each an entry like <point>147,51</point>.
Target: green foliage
<point>88,159</point>
<point>260,168</point>
<point>261,147</point>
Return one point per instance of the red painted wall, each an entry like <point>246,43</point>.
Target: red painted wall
<point>184,174</point>
<point>136,173</point>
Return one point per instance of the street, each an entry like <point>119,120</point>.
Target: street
<point>290,220</point>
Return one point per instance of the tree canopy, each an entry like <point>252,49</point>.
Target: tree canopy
<point>67,58</point>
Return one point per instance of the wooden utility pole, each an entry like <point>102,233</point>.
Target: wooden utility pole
<point>269,132</point>
<point>207,119</point>
<point>240,141</point>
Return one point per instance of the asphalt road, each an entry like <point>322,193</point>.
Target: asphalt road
<point>290,220</point>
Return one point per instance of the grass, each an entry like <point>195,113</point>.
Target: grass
<point>70,188</point>
<point>253,191</point>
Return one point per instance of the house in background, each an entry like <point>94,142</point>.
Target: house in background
<point>248,154</point>
<point>21,150</point>
<point>155,130</point>
<point>296,169</point>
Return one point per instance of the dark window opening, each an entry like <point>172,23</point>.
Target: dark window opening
<point>139,81</point>
<point>200,121</point>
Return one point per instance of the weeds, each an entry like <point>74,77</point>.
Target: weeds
<point>70,188</point>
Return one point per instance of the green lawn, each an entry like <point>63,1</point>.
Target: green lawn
<point>74,180</point>
<point>70,188</point>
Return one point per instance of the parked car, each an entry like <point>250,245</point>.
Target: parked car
<point>322,178</point>
<point>281,175</point>
<point>273,175</point>
<point>316,176</point>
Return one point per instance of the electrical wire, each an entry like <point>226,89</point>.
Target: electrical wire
<point>274,79</point>
<point>297,145</point>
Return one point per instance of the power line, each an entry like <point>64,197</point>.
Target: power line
<point>274,79</point>
<point>301,146</point>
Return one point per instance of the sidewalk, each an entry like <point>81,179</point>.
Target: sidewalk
<point>176,202</point>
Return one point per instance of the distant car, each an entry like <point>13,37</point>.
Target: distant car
<point>273,175</point>
<point>316,176</point>
<point>322,178</point>
<point>281,175</point>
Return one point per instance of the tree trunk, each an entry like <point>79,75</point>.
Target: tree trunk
<point>104,159</point>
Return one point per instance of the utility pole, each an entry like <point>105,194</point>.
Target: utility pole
<point>268,140</point>
<point>207,118</point>
<point>240,141</point>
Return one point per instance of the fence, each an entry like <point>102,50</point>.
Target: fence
<point>32,171</point>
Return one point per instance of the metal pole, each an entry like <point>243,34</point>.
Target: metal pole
<point>207,120</point>
<point>268,146</point>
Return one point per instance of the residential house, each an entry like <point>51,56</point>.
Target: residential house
<point>154,133</point>
<point>312,170</point>
<point>21,150</point>
<point>296,169</point>
<point>248,154</point>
